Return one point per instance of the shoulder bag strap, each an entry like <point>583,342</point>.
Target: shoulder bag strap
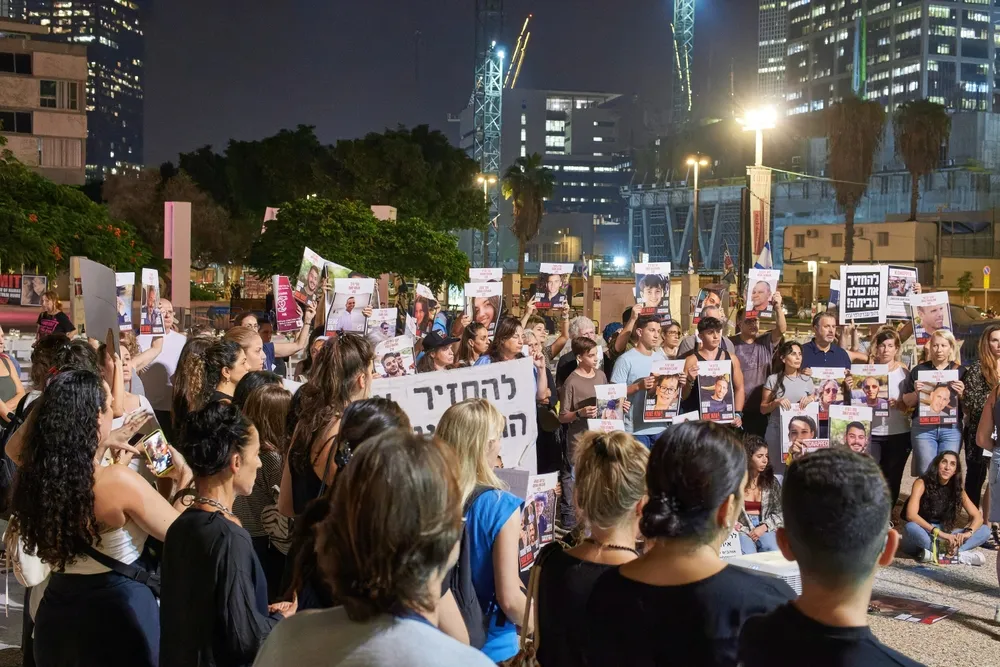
<point>134,572</point>
<point>532,600</point>
<point>326,468</point>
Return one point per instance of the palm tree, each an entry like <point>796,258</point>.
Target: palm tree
<point>528,184</point>
<point>922,127</point>
<point>854,129</point>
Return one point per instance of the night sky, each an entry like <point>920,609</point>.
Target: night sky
<point>223,69</point>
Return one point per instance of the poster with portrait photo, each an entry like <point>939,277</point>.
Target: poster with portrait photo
<point>394,357</point>
<point>483,303</point>
<point>423,309</point>
<point>611,401</point>
<point>663,400</point>
<point>716,401</point>
<point>709,296</point>
<point>902,283</point>
<point>32,289</point>
<point>829,389</point>
<point>869,386</point>
<point>308,283</point>
<point>350,297</point>
<point>834,300</point>
<point>799,424</point>
<point>937,401</point>
<point>864,295</point>
<point>124,289</point>
<point>605,425</point>
<point>150,320</point>
<point>538,513</point>
<point>851,427</point>
<point>929,312</point>
<point>652,289</point>
<point>552,286</point>
<point>382,324</point>
<point>761,286</point>
<point>484,275</point>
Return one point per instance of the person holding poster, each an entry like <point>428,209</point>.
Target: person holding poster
<point>552,286</point>
<point>930,312</point>
<point>755,350</point>
<point>652,289</point>
<point>865,297</point>
<point>761,287</point>
<point>633,368</point>
<point>934,435</point>
<point>783,390</point>
<point>981,378</point>
<point>664,402</point>
<point>717,376</point>
<point>890,442</point>
<point>822,351</point>
<point>850,426</point>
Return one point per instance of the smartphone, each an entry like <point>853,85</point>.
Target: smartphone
<point>155,447</point>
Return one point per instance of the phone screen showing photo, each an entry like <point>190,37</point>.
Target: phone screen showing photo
<point>155,446</point>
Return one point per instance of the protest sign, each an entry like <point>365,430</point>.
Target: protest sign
<point>309,280</point>
<point>710,296</point>
<point>686,417</point>
<point>799,424</point>
<point>611,401</point>
<point>32,289</point>
<point>761,286</point>
<point>485,275</point>
<point>814,444</point>
<point>930,311</point>
<point>605,425</point>
<point>100,309</point>
<point>382,324</point>
<point>938,402</point>
<point>828,383</point>
<point>731,547</point>
<point>483,304</point>
<point>410,326</point>
<point>538,513</point>
<point>850,426</point>
<point>423,310</point>
<point>652,289</point>
<point>865,297</point>
<point>350,297</point>
<point>508,385</point>
<point>902,282</point>
<point>834,301</point>
<point>10,289</point>
<point>908,609</point>
<point>124,289</point>
<point>552,286</point>
<point>663,401</point>
<point>150,320</point>
<point>715,391</point>
<point>286,314</point>
<point>870,387</point>
<point>394,357</point>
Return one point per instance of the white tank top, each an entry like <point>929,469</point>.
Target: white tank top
<point>123,544</point>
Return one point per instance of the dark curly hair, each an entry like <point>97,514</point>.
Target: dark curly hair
<point>943,500</point>
<point>53,501</point>
<point>211,436</point>
<point>219,356</point>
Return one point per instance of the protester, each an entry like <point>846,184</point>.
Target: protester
<point>755,350</point>
<point>52,319</point>
<point>225,365</point>
<point>549,442</point>
<point>189,382</point>
<point>610,494</point>
<point>506,346</point>
<point>837,528</point>
<point>984,439</point>
<point>158,373</point>
<point>679,599</point>
<point>129,349</point>
<point>270,350</point>
<point>112,366</point>
<point>761,515</point>
<point>267,409</point>
<point>11,389</point>
<point>214,605</point>
<point>929,441</point>
<point>43,363</point>
<point>439,353</point>
<point>711,349</point>
<point>555,349</point>
<point>633,368</point>
<point>785,389</point>
<point>932,512</point>
<point>890,441</point>
<point>566,363</point>
<point>76,515</point>
<point>385,548</point>
<point>821,351</point>
<point>302,368</point>
<point>473,430</point>
<point>8,357</point>
<point>475,342</point>
<point>690,343</point>
<point>981,377</point>
<point>252,380</point>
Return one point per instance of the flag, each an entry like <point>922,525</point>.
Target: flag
<point>690,264</point>
<point>728,275</point>
<point>764,261</point>
<point>586,269</point>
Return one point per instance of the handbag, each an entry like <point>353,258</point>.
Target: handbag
<point>29,569</point>
<point>528,646</point>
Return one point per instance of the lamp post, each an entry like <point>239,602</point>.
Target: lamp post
<point>697,161</point>
<point>814,270</point>
<point>758,120</point>
<point>486,180</point>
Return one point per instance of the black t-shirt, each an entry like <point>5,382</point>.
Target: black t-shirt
<point>49,324</point>
<point>695,625</point>
<point>786,636</point>
<point>563,591</point>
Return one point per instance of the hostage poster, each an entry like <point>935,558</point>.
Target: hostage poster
<point>286,313</point>
<point>761,287</point>
<point>902,283</point>
<point>611,405</point>
<point>799,424</point>
<point>150,320</point>
<point>423,310</point>
<point>538,513</point>
<point>869,386</point>
<point>851,427</point>
<point>483,304</point>
<point>663,401</point>
<point>864,295</point>
<point>552,286</point>
<point>828,383</point>
<point>350,297</point>
<point>394,357</point>
<point>715,391</point>
<point>485,275</point>
<point>937,401</point>
<point>709,297</point>
<point>652,289</point>
<point>929,311</point>
<point>382,324</point>
<point>124,288</point>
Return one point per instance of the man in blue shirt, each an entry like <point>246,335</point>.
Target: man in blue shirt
<point>633,368</point>
<point>821,351</point>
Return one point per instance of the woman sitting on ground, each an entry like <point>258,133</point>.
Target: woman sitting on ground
<point>761,515</point>
<point>610,493</point>
<point>679,598</point>
<point>932,511</point>
<point>385,550</point>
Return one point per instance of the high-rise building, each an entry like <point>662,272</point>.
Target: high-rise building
<point>113,34</point>
<point>940,50</point>
<point>773,35</point>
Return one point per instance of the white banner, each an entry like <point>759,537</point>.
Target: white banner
<point>760,210</point>
<point>508,385</point>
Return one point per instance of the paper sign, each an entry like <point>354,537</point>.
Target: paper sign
<point>715,391</point>
<point>938,402</point>
<point>552,286</point>
<point>663,401</point>
<point>929,311</point>
<point>350,297</point>
<point>707,298</point>
<point>870,387</point>
<point>286,313</point>
<point>100,310</point>
<point>538,513</point>
<point>799,424</point>
<point>850,426</point>
<point>423,309</point>
<point>834,301</point>
<point>611,401</point>
<point>828,383</point>
<point>652,289</point>
<point>605,425</point>
<point>761,286</point>
<point>686,417</point>
<point>865,297</point>
<point>485,275</point>
<point>483,304</point>
<point>731,547</point>
<point>394,357</point>
<point>309,280</point>
<point>382,324</point>
<point>902,281</point>
<point>150,320</point>
<point>124,288</point>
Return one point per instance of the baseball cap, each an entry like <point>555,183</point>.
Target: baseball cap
<point>436,339</point>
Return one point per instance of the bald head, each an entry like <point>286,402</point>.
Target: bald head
<point>167,312</point>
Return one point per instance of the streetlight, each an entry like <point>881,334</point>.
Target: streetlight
<point>697,161</point>
<point>758,120</point>
<point>486,180</point>
<point>814,270</point>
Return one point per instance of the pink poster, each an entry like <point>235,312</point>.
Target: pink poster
<point>285,312</point>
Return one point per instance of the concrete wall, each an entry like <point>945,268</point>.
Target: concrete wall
<point>60,124</point>
<point>18,92</point>
<point>59,66</point>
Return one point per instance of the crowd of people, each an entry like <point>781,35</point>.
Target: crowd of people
<point>189,503</point>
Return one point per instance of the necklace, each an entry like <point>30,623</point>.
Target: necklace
<point>613,547</point>
<point>202,500</point>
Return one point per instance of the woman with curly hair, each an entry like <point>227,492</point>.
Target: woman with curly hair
<point>225,365</point>
<point>77,515</point>
<point>189,381</point>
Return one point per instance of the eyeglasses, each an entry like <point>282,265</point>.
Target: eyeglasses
<point>830,390</point>
<point>255,326</point>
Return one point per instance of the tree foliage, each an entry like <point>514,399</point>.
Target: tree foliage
<point>527,183</point>
<point>965,286</point>
<point>855,129</point>
<point>922,128</point>
<point>346,232</point>
<point>43,224</point>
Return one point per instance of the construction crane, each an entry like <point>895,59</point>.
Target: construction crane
<point>487,107</point>
<point>517,58</point>
<point>682,28</point>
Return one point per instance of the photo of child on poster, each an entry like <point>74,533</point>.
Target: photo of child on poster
<point>799,424</point>
<point>902,283</point>
<point>150,320</point>
<point>394,357</point>
<point>938,400</point>
<point>663,401</point>
<point>870,387</point>
<point>715,391</point>
<point>611,399</point>
<point>350,298</point>
<point>929,311</point>
<point>124,288</point>
<point>552,286</point>
<point>711,295</point>
<point>652,289</point>
<point>850,426</point>
<point>483,304</point>
<point>382,324</point>
<point>829,390</point>
<point>761,286</point>
<point>423,310</point>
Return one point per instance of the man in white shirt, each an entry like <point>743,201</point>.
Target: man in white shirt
<point>347,321</point>
<point>158,377</point>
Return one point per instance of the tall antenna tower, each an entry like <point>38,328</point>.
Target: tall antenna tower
<point>487,100</point>
<point>683,29</point>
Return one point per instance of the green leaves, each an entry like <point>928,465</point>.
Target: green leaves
<point>922,130</point>
<point>527,183</point>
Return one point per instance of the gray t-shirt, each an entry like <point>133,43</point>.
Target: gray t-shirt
<point>794,389</point>
<point>328,637</point>
<point>628,369</point>
<point>688,343</point>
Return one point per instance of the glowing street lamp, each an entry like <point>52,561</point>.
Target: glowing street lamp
<point>696,161</point>
<point>758,120</point>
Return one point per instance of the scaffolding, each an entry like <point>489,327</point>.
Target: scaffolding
<point>683,34</point>
<point>487,108</point>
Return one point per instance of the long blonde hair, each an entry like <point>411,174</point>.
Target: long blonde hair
<point>610,471</point>
<point>467,428</point>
